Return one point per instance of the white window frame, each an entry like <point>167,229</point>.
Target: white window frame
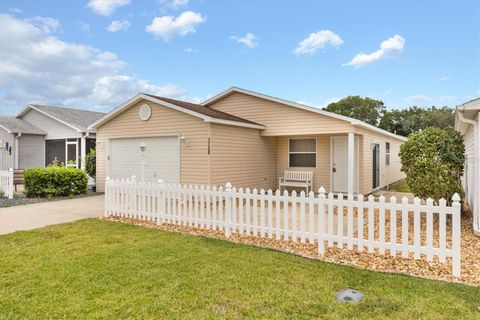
<point>387,153</point>
<point>306,138</point>
<point>67,143</point>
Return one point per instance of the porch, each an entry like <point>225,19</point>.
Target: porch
<point>336,161</point>
<point>71,151</point>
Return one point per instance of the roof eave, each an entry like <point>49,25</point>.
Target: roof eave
<point>141,96</point>
<point>352,121</point>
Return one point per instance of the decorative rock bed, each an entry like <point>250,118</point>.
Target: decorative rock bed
<point>470,272</point>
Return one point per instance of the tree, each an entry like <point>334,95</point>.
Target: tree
<point>407,121</point>
<point>364,109</point>
<point>433,161</point>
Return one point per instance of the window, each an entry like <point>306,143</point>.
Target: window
<point>302,153</point>
<point>387,153</point>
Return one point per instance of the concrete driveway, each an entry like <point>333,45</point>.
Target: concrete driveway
<point>39,215</point>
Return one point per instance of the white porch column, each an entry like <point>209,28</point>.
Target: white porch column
<point>83,147</point>
<point>351,162</point>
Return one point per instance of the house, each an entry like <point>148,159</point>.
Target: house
<point>246,138</point>
<point>38,134</point>
<point>467,122</point>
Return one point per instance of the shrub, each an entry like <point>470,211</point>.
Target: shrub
<point>2,193</point>
<point>433,161</point>
<point>55,181</point>
<point>91,163</point>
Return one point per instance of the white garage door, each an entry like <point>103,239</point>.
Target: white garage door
<point>161,158</point>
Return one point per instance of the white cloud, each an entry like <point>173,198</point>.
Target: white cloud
<point>15,10</point>
<point>106,7</point>
<point>189,50</point>
<point>418,99</point>
<point>387,92</point>
<point>48,25</point>
<point>38,67</point>
<point>249,40</point>
<point>85,27</point>
<point>389,47</point>
<point>174,4</point>
<point>318,40</point>
<point>443,78</point>
<point>168,27</point>
<point>447,99</point>
<point>118,25</point>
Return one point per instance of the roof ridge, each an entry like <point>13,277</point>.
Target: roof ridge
<point>64,108</point>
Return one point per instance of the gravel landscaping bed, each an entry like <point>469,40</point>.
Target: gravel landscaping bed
<point>20,199</point>
<point>470,268</point>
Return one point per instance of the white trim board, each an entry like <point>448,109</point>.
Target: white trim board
<point>352,121</point>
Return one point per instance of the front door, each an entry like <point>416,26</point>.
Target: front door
<point>339,164</point>
<point>376,165</point>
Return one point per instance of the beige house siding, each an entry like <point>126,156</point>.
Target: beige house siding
<point>242,157</point>
<point>164,121</point>
<point>279,119</point>
<point>388,174</point>
<point>321,174</point>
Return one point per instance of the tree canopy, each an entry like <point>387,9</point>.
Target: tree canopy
<point>364,109</point>
<point>400,121</point>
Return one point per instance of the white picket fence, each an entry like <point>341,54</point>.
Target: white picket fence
<point>6,183</point>
<point>418,228</point>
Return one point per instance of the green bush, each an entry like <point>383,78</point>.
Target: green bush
<point>91,163</point>
<point>433,161</point>
<point>2,193</point>
<point>55,181</point>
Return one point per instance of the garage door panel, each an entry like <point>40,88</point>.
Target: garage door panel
<point>161,155</point>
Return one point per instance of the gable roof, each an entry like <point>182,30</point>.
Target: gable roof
<point>352,121</point>
<point>76,119</point>
<point>16,125</point>
<point>196,110</point>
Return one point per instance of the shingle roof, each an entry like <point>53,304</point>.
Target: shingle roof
<point>79,119</point>
<point>16,125</point>
<point>203,110</point>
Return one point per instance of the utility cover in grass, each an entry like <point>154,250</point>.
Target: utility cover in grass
<point>349,295</point>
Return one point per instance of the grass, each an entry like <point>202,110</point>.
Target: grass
<point>400,186</point>
<point>94,269</point>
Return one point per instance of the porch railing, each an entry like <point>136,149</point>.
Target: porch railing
<point>6,183</point>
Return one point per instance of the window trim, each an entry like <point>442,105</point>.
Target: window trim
<point>387,153</point>
<point>303,138</point>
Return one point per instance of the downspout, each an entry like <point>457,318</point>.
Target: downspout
<point>16,150</point>
<point>476,169</point>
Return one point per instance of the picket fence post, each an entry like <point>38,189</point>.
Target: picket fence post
<point>228,210</point>
<point>160,202</point>
<point>107,197</point>
<point>10,183</point>
<point>456,259</point>
<point>321,220</point>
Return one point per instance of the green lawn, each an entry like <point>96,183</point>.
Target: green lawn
<point>400,186</point>
<point>98,269</point>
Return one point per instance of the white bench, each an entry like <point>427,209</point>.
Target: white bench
<point>296,179</point>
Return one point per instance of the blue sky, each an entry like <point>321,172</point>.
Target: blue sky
<point>95,54</point>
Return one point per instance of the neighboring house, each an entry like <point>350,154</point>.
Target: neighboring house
<point>20,144</point>
<point>245,138</point>
<point>467,122</point>
<point>38,134</point>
